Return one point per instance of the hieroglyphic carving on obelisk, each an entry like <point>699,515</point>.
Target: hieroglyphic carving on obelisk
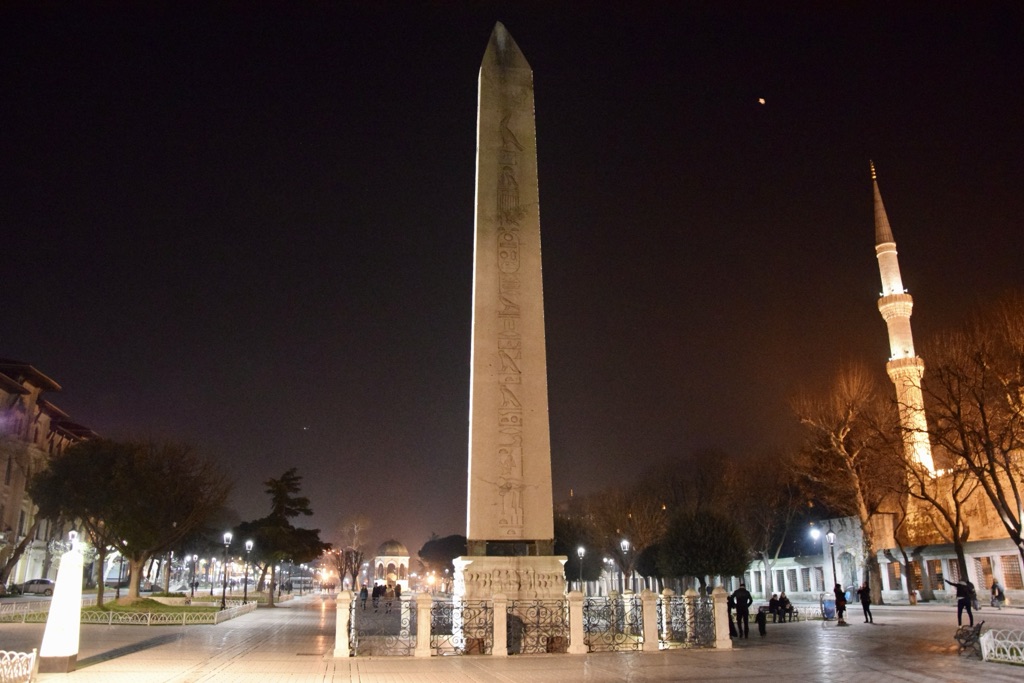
<point>510,505</point>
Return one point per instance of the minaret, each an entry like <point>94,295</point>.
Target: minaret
<point>904,367</point>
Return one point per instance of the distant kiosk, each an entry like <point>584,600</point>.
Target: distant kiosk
<point>391,565</point>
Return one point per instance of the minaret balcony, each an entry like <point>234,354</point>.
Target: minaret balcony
<point>911,366</point>
<point>895,306</point>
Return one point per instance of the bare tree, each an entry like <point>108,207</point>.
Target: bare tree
<point>772,500</point>
<point>843,460</point>
<point>975,403</point>
<point>635,515</point>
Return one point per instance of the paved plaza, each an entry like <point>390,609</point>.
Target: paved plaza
<point>293,643</point>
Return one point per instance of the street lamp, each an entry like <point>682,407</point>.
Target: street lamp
<point>224,586</point>
<point>120,572</point>
<point>245,574</point>
<point>192,583</point>
<point>580,552</point>
<point>831,537</point>
<point>624,546</point>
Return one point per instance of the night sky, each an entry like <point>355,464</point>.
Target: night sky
<point>249,227</point>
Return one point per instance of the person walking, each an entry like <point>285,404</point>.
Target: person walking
<point>864,593</point>
<point>998,595</point>
<point>743,602</point>
<point>964,596</point>
<point>363,594</point>
<point>840,605</point>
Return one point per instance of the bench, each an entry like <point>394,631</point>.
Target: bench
<point>793,614</point>
<point>968,638</point>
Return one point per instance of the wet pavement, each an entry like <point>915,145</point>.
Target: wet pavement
<point>294,644</point>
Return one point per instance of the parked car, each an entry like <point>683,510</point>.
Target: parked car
<point>38,587</point>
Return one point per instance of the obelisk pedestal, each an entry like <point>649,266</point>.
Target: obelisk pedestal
<point>510,524</point>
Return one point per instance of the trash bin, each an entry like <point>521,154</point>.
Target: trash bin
<point>828,609</point>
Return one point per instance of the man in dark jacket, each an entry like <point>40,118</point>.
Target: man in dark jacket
<point>964,596</point>
<point>743,602</point>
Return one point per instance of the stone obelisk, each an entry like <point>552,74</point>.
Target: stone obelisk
<point>510,528</point>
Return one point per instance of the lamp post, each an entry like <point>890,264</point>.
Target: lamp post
<point>120,573</point>
<point>831,537</point>
<point>192,583</point>
<point>624,546</point>
<point>245,574</point>
<point>224,586</point>
<point>580,552</point>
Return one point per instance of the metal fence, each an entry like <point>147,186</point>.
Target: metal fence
<point>111,617</point>
<point>461,627</point>
<point>535,626</point>
<point>613,624</point>
<point>686,621</point>
<point>387,628</point>
<point>17,667</point>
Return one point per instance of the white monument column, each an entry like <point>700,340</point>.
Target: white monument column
<point>510,527</point>
<point>59,650</point>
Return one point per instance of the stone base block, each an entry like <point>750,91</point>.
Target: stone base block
<point>518,577</point>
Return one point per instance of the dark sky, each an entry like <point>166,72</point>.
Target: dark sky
<point>250,227</point>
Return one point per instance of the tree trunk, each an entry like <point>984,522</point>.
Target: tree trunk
<point>101,560</point>
<point>19,550</point>
<point>273,582</point>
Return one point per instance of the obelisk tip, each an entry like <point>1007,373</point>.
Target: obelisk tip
<point>502,50</point>
<point>873,175</point>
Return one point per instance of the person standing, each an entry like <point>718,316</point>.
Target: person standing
<point>743,602</point>
<point>964,595</point>
<point>840,604</point>
<point>864,593</point>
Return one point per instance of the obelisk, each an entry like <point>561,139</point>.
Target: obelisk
<point>510,527</point>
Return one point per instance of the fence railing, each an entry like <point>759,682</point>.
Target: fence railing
<point>17,667</point>
<point>1003,645</point>
<point>425,626</point>
<point>35,606</point>
<point>461,627</point>
<point>112,617</point>
<point>613,624</point>
<point>537,626</point>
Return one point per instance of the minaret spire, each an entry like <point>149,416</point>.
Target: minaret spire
<point>905,368</point>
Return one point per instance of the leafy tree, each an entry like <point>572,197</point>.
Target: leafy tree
<point>275,539</point>
<point>703,545</point>
<point>437,553</point>
<point>141,498</point>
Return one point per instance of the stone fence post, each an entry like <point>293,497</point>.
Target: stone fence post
<point>666,613</point>
<point>577,646</point>
<point>342,618</point>
<point>500,647</point>
<point>649,603</point>
<point>722,639</point>
<point>424,603</point>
